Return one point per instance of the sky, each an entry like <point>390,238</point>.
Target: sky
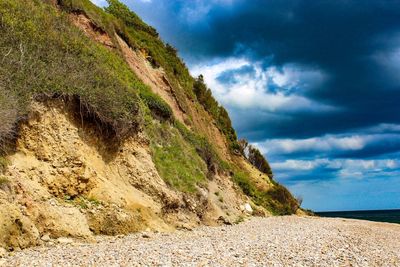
<point>315,85</point>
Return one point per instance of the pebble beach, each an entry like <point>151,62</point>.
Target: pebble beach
<point>272,241</point>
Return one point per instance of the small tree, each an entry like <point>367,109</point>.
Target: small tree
<point>299,200</point>
<point>255,157</point>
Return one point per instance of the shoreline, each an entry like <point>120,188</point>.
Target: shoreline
<point>273,241</point>
<point>390,216</point>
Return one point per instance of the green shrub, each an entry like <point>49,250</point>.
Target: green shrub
<point>203,148</point>
<point>129,18</point>
<point>239,219</point>
<point>282,201</point>
<point>158,107</point>
<point>83,202</point>
<point>46,55</point>
<point>219,113</point>
<point>255,157</point>
<point>244,183</point>
<point>277,199</point>
<point>98,17</point>
<point>176,160</point>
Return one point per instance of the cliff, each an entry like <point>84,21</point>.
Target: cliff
<point>104,131</point>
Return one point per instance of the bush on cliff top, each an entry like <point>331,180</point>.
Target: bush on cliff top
<point>43,54</point>
<point>255,157</point>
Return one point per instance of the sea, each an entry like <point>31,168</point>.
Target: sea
<point>391,216</point>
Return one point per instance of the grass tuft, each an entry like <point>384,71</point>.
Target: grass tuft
<point>176,160</point>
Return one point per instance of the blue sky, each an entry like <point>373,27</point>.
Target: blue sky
<point>314,84</point>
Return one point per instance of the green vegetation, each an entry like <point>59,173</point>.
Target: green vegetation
<point>158,107</point>
<point>101,20</point>
<point>8,115</point>
<point>44,55</point>
<point>176,160</point>
<point>141,36</point>
<point>86,203</point>
<point>239,219</point>
<point>82,202</point>
<point>255,157</point>
<point>277,199</point>
<point>203,148</point>
<point>129,18</point>
<point>219,113</point>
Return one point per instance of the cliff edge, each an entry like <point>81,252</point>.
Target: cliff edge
<point>104,131</point>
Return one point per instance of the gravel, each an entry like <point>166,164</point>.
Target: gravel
<point>274,241</point>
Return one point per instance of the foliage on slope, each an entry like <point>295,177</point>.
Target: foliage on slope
<point>255,157</point>
<point>176,160</point>
<point>44,55</point>
<point>219,113</point>
<point>142,36</point>
<point>8,115</point>
<point>277,199</point>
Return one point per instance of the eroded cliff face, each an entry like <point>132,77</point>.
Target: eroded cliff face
<point>187,111</point>
<point>67,178</point>
<point>64,180</point>
<point>157,80</point>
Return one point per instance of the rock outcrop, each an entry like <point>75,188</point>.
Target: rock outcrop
<point>63,181</point>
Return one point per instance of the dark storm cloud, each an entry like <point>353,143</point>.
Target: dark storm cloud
<point>353,47</point>
<point>334,147</point>
<point>339,37</point>
<point>382,145</point>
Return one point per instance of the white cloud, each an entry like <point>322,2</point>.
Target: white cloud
<point>298,165</point>
<point>384,128</point>
<point>100,3</point>
<point>346,168</point>
<point>317,144</point>
<point>292,76</point>
<point>330,144</point>
<point>268,89</point>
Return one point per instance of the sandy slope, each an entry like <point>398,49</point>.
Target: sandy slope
<point>274,241</point>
